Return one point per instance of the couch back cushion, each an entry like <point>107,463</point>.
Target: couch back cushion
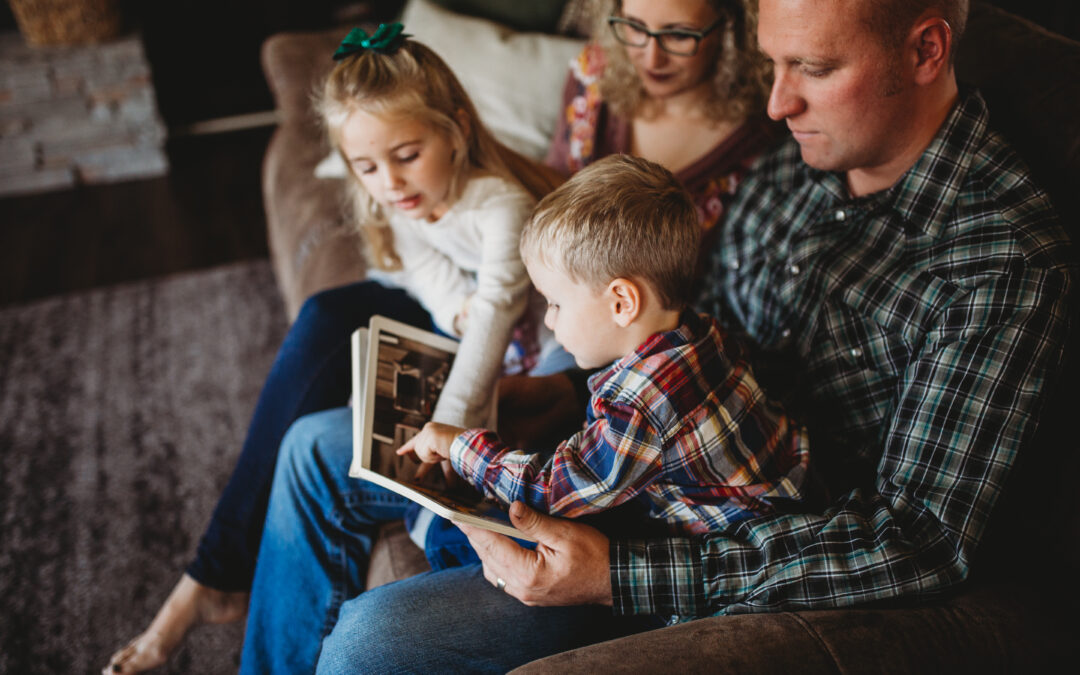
<point>1030,78</point>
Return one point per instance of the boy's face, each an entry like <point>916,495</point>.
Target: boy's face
<point>580,316</point>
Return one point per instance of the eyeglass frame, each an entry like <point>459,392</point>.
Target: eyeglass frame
<point>698,36</point>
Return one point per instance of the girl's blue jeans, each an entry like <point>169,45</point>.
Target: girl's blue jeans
<point>311,372</point>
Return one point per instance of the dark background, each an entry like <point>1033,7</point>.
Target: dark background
<point>208,210</point>
<point>205,53</point>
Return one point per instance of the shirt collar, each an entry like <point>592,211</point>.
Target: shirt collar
<point>690,326</point>
<point>927,193</point>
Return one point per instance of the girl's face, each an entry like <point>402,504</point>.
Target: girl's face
<point>405,164</point>
<point>664,75</point>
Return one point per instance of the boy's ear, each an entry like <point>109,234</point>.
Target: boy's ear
<point>624,299</point>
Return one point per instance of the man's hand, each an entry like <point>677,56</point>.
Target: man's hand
<point>538,411</point>
<point>570,566</point>
<point>431,446</point>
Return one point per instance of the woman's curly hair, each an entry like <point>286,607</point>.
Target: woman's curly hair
<point>740,80</point>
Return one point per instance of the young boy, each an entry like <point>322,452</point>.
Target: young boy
<point>677,423</point>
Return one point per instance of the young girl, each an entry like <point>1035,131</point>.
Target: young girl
<point>441,209</point>
<point>441,203</point>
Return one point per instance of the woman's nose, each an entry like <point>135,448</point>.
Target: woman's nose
<point>655,56</point>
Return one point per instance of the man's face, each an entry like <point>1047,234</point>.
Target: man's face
<point>846,99</point>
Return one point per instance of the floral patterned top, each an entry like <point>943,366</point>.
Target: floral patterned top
<point>588,130</point>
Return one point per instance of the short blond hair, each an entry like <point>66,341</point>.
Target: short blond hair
<point>619,217</point>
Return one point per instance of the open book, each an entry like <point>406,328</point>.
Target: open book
<point>398,372</point>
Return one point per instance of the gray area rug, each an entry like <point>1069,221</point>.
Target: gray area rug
<point>122,411</point>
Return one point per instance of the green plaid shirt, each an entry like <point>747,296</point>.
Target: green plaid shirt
<point>927,319</point>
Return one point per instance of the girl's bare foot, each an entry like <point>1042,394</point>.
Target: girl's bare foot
<point>189,604</point>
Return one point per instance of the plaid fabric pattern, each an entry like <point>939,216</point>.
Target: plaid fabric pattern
<point>680,425</point>
<point>929,318</point>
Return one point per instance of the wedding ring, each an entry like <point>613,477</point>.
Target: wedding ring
<point>500,583</point>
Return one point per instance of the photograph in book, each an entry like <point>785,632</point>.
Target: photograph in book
<point>398,372</point>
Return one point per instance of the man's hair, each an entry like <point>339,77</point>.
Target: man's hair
<point>621,216</point>
<point>892,19</point>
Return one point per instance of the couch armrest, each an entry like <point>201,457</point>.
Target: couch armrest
<point>313,245</point>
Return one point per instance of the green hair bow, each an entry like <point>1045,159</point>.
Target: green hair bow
<point>385,40</point>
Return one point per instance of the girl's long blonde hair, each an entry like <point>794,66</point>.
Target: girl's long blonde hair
<point>740,79</point>
<point>415,83</point>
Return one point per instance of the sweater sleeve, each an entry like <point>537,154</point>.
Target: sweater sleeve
<point>430,276</point>
<point>501,295</point>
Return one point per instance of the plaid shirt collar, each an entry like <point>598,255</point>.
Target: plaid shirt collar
<point>689,328</point>
<point>926,194</point>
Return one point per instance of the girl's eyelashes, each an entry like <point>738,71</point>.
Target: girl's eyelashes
<point>405,159</point>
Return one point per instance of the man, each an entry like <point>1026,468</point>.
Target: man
<point>901,252</point>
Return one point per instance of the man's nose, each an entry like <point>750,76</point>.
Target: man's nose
<point>784,98</point>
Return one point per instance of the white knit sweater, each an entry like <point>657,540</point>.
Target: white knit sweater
<point>469,255</point>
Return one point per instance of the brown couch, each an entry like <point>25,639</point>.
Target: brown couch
<point>1009,617</point>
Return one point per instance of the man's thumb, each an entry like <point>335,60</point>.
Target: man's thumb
<point>525,519</point>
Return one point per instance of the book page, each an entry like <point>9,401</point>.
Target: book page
<point>399,375</point>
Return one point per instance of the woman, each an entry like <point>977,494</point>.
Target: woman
<point>694,105</point>
<point>676,82</point>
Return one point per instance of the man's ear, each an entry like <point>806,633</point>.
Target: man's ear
<point>624,300</point>
<point>931,38</point>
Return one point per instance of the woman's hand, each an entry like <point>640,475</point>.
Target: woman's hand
<point>570,566</point>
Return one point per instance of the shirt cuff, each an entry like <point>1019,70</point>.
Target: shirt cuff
<point>471,453</point>
<point>657,576</point>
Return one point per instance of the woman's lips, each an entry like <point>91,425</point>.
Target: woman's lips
<point>659,77</point>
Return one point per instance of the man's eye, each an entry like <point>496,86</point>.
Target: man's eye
<point>816,72</point>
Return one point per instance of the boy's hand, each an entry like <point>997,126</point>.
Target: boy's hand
<point>431,445</point>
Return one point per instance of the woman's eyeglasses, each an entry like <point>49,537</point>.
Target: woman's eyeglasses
<point>673,41</point>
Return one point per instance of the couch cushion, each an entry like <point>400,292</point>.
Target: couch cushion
<point>394,556</point>
<point>1029,77</point>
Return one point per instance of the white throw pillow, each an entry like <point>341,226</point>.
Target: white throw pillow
<point>514,79</point>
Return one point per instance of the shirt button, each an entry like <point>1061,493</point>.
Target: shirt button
<point>734,265</point>
<point>856,352</point>
<point>840,215</point>
<point>794,269</point>
<point>786,333</point>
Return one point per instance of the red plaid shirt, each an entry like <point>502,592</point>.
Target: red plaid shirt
<point>680,424</point>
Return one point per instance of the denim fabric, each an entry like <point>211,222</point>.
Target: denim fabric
<point>320,527</point>
<point>311,373</point>
<point>313,560</point>
<point>455,621</point>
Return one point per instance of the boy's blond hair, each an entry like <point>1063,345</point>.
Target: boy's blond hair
<point>414,83</point>
<point>621,216</point>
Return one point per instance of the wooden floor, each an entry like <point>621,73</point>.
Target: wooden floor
<point>207,211</point>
